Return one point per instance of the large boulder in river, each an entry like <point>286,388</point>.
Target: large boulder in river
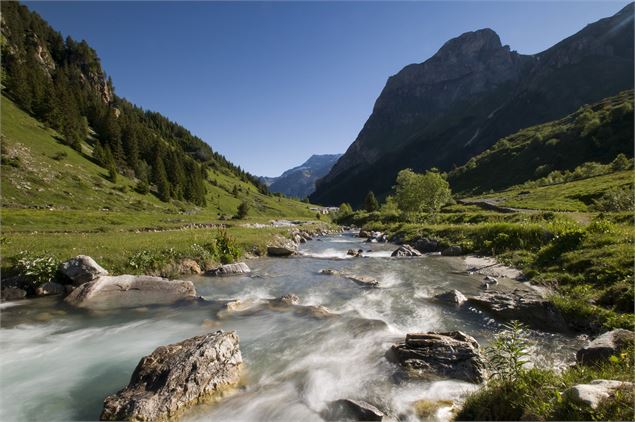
<point>281,246</point>
<point>176,376</point>
<point>453,297</point>
<point>435,355</point>
<point>406,250</point>
<point>523,306</point>
<point>124,291</point>
<point>230,269</point>
<point>81,269</point>
<point>452,251</point>
<point>603,347</point>
<point>593,393</point>
<point>426,245</point>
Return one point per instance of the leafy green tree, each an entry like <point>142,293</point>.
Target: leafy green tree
<point>345,209</point>
<point>370,202</point>
<point>421,192</point>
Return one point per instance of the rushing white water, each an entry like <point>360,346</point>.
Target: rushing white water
<point>57,363</point>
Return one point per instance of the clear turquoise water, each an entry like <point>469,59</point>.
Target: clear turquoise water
<point>59,364</point>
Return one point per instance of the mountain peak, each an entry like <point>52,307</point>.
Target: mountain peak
<point>470,43</point>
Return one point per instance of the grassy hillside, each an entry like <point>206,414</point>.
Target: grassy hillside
<point>57,201</point>
<point>595,133</point>
<point>579,195</point>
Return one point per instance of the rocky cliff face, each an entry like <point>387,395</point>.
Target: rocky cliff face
<point>473,91</point>
<point>299,182</point>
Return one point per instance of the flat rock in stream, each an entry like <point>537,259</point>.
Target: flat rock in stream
<point>127,291</point>
<point>435,355</point>
<point>523,306</point>
<point>358,410</point>
<point>177,376</point>
<point>363,280</point>
<point>229,269</point>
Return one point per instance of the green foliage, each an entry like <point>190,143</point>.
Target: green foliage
<point>243,210</point>
<point>537,394</point>
<point>370,202</point>
<point>226,247</point>
<point>507,354</point>
<point>39,269</point>
<point>555,152</point>
<point>616,199</point>
<point>421,192</point>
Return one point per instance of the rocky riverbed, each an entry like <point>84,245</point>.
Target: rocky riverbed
<point>314,340</point>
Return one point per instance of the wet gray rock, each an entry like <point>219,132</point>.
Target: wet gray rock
<point>453,297</point>
<point>286,300</point>
<point>124,291</point>
<point>608,344</point>
<point>8,294</point>
<point>452,251</point>
<point>358,410</point>
<point>593,393</point>
<point>433,355</point>
<point>406,250</point>
<point>523,306</point>
<point>230,269</point>
<point>281,246</point>
<point>50,288</point>
<point>363,280</point>
<point>81,269</point>
<point>177,376</point>
<point>426,245</point>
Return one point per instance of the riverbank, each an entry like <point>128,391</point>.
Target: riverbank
<point>587,266</point>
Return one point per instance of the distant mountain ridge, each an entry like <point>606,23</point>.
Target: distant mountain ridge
<point>471,93</point>
<point>299,182</point>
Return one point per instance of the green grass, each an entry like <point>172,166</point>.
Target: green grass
<point>537,395</point>
<point>572,196</point>
<point>57,202</point>
<point>39,172</point>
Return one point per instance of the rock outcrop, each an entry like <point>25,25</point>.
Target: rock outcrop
<point>596,391</point>
<point>230,269</point>
<point>125,291</point>
<point>406,250</point>
<point>603,347</point>
<point>435,355</point>
<point>177,376</point>
<point>523,306</point>
<point>491,89</point>
<point>81,269</point>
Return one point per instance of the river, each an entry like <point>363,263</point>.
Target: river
<point>57,363</point>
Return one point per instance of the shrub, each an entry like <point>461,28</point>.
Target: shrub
<point>506,355</point>
<point>142,187</point>
<point>226,247</point>
<point>39,269</point>
<point>59,156</point>
<point>243,210</point>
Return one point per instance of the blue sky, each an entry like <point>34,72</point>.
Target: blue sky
<point>267,84</point>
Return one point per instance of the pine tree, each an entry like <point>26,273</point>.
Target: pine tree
<point>370,202</point>
<point>160,179</point>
